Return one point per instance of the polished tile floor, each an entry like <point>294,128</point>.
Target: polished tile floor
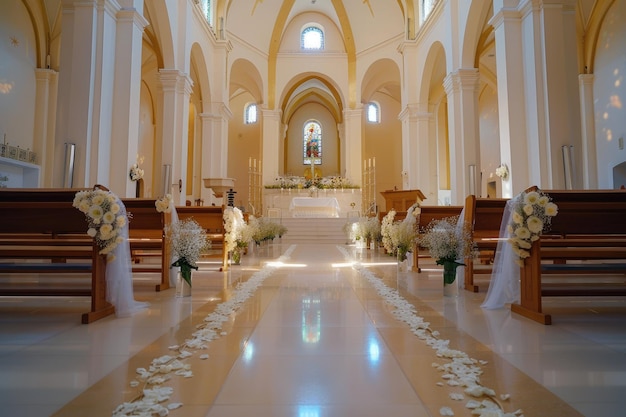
<point>315,339</point>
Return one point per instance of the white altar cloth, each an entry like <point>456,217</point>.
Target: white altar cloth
<point>314,207</point>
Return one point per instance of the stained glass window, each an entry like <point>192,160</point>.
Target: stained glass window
<point>312,143</point>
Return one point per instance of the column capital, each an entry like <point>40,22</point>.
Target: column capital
<point>505,14</point>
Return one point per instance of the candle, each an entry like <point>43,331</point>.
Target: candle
<point>250,162</point>
<point>374,162</point>
<point>254,163</point>
<point>369,162</point>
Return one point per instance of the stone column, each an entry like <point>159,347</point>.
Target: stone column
<point>45,115</point>
<point>172,135</point>
<point>214,147</point>
<point>126,99</point>
<point>588,140</point>
<point>351,157</point>
<point>462,90</point>
<point>511,98</point>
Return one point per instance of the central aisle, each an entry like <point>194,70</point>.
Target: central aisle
<point>315,351</point>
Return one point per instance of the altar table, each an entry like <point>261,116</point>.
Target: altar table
<point>314,207</point>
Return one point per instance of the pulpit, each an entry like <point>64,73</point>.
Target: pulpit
<point>401,200</point>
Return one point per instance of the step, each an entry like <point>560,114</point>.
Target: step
<point>316,230</point>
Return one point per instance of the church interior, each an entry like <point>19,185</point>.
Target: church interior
<point>313,114</point>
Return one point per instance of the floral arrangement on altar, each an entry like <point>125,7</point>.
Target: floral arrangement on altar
<point>531,214</point>
<point>329,183</point>
<point>502,171</point>
<point>188,240</point>
<point>135,173</point>
<point>163,204</point>
<point>105,218</point>
<point>448,243</point>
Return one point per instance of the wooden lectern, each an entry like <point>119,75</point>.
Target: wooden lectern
<point>401,200</point>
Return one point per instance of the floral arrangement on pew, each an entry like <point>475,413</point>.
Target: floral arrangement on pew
<point>264,229</point>
<point>188,240</point>
<point>163,204</point>
<point>399,237</point>
<point>105,218</point>
<point>238,233</point>
<point>448,243</point>
<point>531,215</point>
<point>366,229</point>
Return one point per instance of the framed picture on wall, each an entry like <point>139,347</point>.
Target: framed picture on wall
<point>32,157</point>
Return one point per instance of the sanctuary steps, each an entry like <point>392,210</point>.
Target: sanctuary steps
<point>314,230</point>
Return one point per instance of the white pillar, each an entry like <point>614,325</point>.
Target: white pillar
<point>126,100</point>
<point>271,138</point>
<point>176,89</point>
<point>588,148</point>
<point>511,99</point>
<point>462,90</point>
<point>352,155</point>
<point>45,115</point>
<point>214,147</point>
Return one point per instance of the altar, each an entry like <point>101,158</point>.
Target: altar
<point>304,203</point>
<point>314,207</point>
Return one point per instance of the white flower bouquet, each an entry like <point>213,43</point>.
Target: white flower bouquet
<point>234,227</point>
<point>163,204</point>
<point>398,237</point>
<point>502,171</point>
<point>448,243</point>
<point>105,218</point>
<point>532,214</point>
<point>188,240</point>
<point>135,173</point>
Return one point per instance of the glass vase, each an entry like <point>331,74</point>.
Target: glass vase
<point>183,289</point>
<point>236,256</point>
<point>403,262</point>
<point>450,283</point>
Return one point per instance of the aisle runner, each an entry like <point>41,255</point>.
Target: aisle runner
<point>461,371</point>
<point>155,397</point>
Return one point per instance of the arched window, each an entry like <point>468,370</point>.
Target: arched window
<point>427,6</point>
<point>207,10</point>
<point>373,112</point>
<point>250,114</point>
<point>312,143</point>
<point>312,38</point>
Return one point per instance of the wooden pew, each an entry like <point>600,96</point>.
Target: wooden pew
<point>484,217</point>
<point>146,235</point>
<point>590,226</point>
<point>211,219</point>
<point>38,236</point>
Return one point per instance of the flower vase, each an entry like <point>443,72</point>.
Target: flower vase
<point>450,283</point>
<point>183,288</point>
<point>403,262</point>
<point>236,256</point>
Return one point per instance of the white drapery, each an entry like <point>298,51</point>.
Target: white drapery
<point>504,286</point>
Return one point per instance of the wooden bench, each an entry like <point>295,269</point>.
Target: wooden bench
<point>39,236</point>
<point>146,236</point>
<point>483,217</point>
<point>590,227</point>
<point>211,219</point>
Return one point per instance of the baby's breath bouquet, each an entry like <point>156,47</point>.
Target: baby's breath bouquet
<point>532,214</point>
<point>188,240</point>
<point>448,243</point>
<point>105,217</point>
